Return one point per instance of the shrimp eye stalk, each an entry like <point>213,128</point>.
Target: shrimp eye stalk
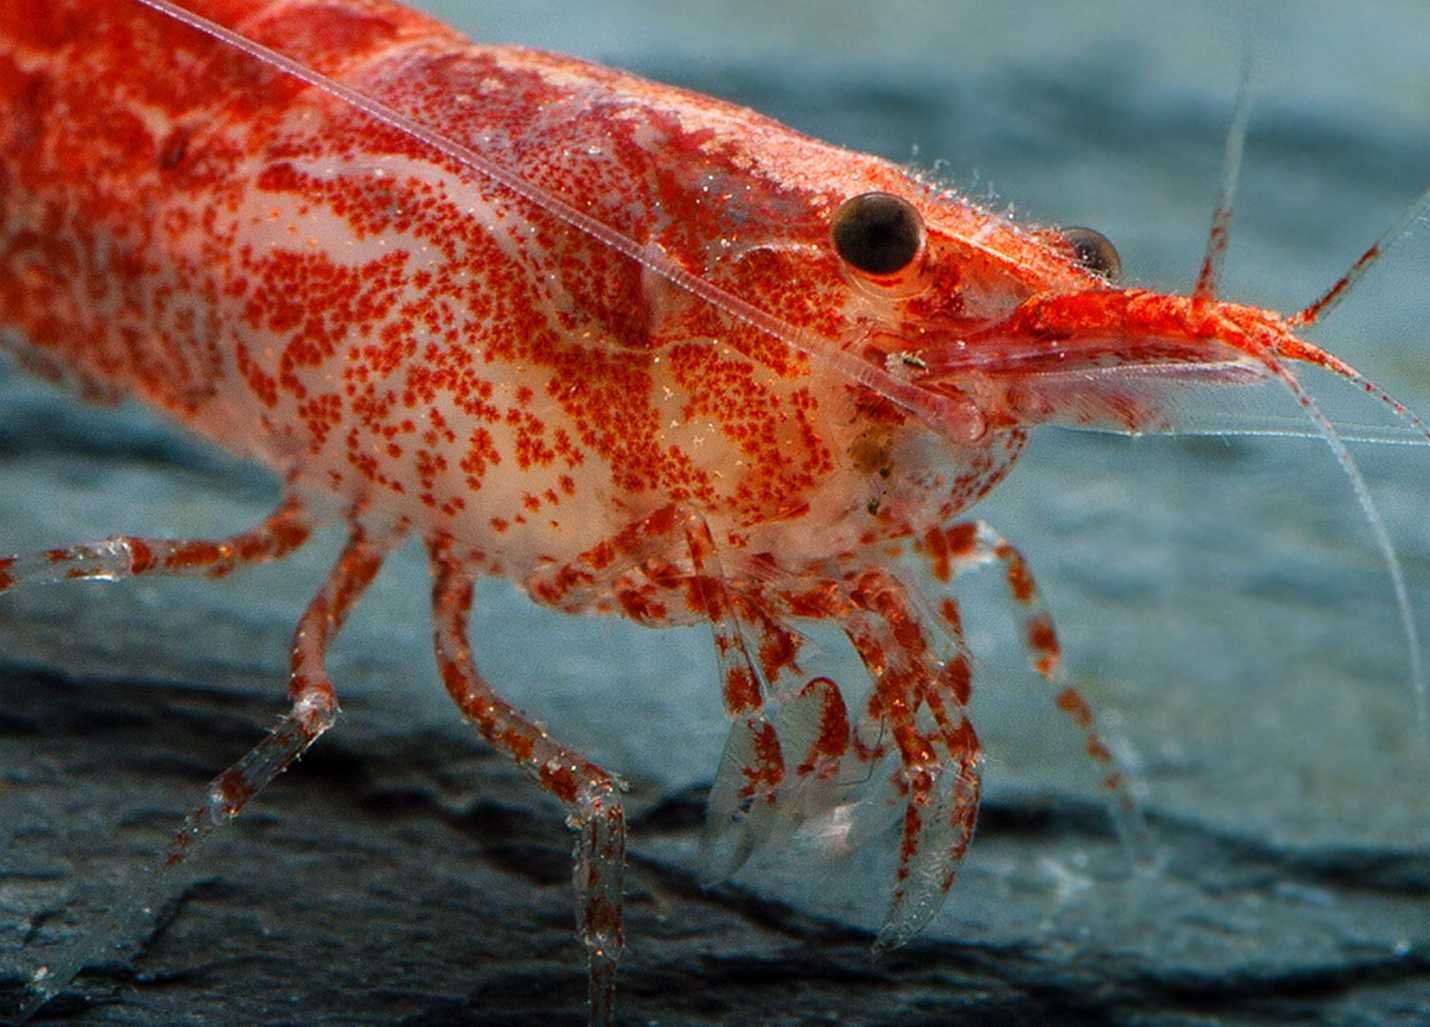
<point>877,233</point>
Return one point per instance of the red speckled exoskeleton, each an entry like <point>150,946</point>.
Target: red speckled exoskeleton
<point>638,350</point>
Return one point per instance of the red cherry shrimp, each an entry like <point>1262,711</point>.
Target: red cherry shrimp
<point>923,339</point>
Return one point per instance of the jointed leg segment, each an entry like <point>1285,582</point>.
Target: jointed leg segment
<point>314,703</point>
<point>939,755</point>
<point>752,765</point>
<point>639,566</point>
<point>128,556</point>
<point>590,795</point>
<point>968,545</point>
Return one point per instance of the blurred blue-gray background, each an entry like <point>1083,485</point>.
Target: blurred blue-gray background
<point>1220,602</point>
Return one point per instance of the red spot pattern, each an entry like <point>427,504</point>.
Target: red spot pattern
<point>1075,706</point>
<point>215,249</point>
<point>1043,641</point>
<point>304,284</point>
<point>181,223</point>
<point>832,740</point>
<point>141,557</point>
<point>763,776</point>
<point>1020,579</point>
<point>939,553</point>
<point>742,692</point>
<point>948,610</point>
<point>234,789</point>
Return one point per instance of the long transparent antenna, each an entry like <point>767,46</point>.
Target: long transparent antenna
<point>1377,526</point>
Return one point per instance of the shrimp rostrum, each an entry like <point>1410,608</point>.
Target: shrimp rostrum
<point>637,350</point>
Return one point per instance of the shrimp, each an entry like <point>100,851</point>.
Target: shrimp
<point>635,350</point>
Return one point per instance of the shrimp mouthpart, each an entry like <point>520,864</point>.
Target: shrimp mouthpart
<point>1104,329</point>
<point>1090,358</point>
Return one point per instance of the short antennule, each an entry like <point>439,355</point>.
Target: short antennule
<point>1341,287</point>
<point>1208,278</point>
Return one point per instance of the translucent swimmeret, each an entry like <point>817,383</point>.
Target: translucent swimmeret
<point>639,351</point>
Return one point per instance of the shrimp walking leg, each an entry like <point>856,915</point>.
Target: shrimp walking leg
<point>651,590</point>
<point>590,794</point>
<point>128,556</point>
<point>752,766</point>
<point>969,545</point>
<point>922,703</point>
<point>313,709</point>
<point>314,703</point>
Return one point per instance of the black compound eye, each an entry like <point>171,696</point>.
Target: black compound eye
<point>1095,252</point>
<point>877,233</point>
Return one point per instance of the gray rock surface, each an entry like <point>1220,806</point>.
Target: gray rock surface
<point>1219,600</point>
